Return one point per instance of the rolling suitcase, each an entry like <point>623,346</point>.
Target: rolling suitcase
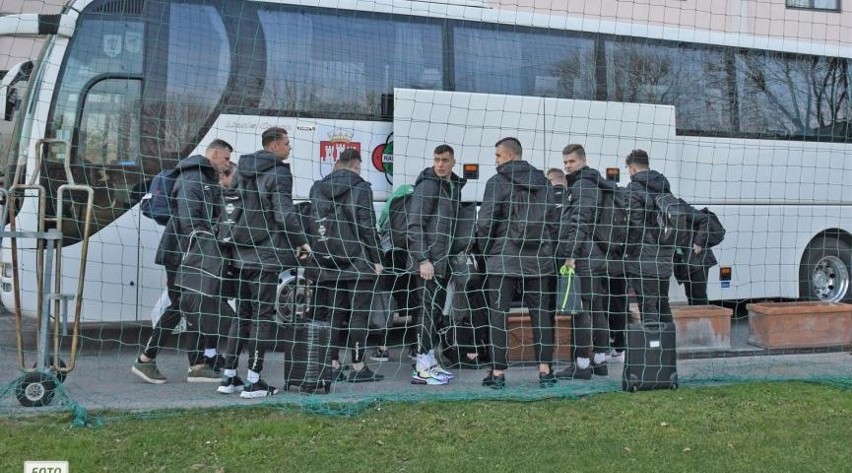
<point>307,361</point>
<point>651,359</point>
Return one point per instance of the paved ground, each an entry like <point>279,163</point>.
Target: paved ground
<point>102,378</point>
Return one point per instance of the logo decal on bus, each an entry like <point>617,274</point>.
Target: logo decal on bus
<point>382,158</point>
<point>112,44</point>
<point>338,140</point>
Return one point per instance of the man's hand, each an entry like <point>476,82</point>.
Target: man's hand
<point>427,271</point>
<point>696,249</point>
<point>303,251</point>
<point>378,268</point>
<point>570,263</point>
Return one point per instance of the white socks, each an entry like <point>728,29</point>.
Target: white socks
<point>600,358</point>
<point>582,363</point>
<point>252,377</point>
<point>210,352</point>
<point>230,373</point>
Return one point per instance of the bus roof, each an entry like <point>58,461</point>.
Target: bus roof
<point>484,11</point>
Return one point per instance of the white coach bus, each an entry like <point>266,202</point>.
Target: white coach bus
<point>755,128</point>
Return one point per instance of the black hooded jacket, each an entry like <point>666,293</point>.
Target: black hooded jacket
<point>196,198</point>
<point>345,187</point>
<point>433,209</point>
<point>581,201</point>
<point>267,187</point>
<point>503,256</point>
<point>645,256</point>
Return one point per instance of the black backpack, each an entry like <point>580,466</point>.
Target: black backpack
<point>715,230</point>
<point>528,217</point>
<point>157,203</point>
<point>612,221</point>
<point>674,216</point>
<point>333,233</point>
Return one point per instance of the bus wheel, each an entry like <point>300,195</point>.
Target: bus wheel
<point>825,271</point>
<point>295,294</point>
<point>36,389</point>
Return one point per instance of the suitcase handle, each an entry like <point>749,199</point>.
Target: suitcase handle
<point>658,326</point>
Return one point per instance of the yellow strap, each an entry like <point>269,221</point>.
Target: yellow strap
<point>565,271</point>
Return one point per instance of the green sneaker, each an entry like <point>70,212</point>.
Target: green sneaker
<point>148,371</point>
<point>202,374</point>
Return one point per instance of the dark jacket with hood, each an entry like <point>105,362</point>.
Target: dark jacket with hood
<point>345,187</point>
<point>686,261</point>
<point>502,255</point>
<point>581,201</point>
<point>645,256</point>
<point>267,188</point>
<point>195,202</point>
<point>433,216</point>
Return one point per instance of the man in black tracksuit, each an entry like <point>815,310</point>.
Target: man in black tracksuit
<point>648,263</point>
<point>578,249</point>
<point>510,264</point>
<point>194,207</point>
<point>345,283</point>
<point>433,209</point>
<point>273,239</point>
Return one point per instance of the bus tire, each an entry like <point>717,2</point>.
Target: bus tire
<point>826,271</point>
<point>293,299</point>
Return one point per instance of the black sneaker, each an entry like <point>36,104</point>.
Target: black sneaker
<point>364,375</point>
<point>546,380</point>
<point>258,389</point>
<point>216,363</point>
<point>494,382</point>
<point>338,375</point>
<point>600,369</point>
<point>230,385</point>
<point>412,353</point>
<point>380,355</point>
<point>574,372</point>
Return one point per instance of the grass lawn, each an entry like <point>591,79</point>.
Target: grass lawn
<point>756,427</point>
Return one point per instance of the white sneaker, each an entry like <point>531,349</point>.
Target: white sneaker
<point>437,366</point>
<point>430,378</point>
<point>423,364</point>
<point>615,357</point>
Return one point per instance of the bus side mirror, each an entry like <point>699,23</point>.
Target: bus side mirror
<point>11,104</point>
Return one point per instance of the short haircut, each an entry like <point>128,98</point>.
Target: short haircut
<point>221,144</point>
<point>558,171</point>
<point>348,155</point>
<point>574,149</point>
<point>272,134</point>
<point>511,144</point>
<point>638,157</point>
<point>441,149</point>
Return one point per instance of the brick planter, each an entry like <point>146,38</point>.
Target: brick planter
<point>520,338</point>
<point>702,328</point>
<point>799,324</point>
